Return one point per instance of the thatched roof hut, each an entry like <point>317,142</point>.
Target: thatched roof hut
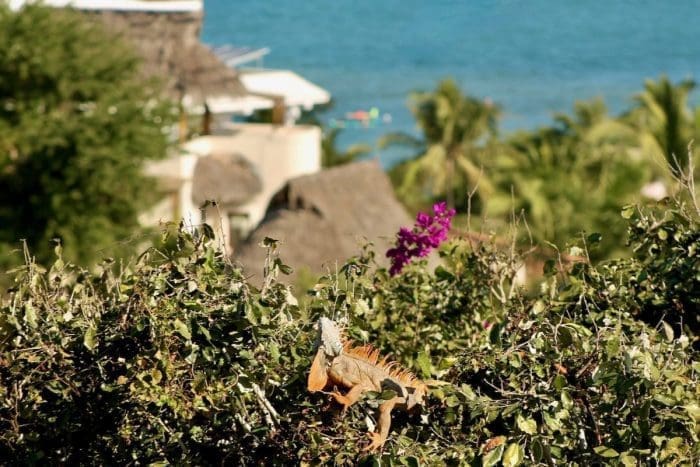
<point>325,218</point>
<point>228,179</point>
<point>169,45</point>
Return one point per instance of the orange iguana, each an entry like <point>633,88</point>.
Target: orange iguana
<point>359,369</point>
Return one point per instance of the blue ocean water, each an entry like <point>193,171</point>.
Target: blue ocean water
<point>533,57</point>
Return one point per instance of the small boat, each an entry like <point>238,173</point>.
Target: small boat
<point>361,118</point>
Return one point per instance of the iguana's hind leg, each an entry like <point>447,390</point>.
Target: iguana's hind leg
<point>352,396</point>
<point>378,438</point>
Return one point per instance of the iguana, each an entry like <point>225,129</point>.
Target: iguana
<point>338,363</point>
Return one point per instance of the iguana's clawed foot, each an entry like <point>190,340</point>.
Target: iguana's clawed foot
<point>376,442</point>
<point>342,400</point>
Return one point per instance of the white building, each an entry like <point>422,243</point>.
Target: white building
<point>239,167</point>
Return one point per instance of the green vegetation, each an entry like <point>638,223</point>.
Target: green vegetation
<point>331,156</point>
<point>174,358</point>
<point>455,130</point>
<point>77,121</point>
<point>178,360</point>
<point>571,177</point>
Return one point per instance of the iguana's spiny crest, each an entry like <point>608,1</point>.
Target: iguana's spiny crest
<point>361,369</point>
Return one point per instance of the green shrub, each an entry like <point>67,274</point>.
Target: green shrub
<point>78,122</point>
<point>573,377</point>
<point>178,360</point>
<point>666,245</point>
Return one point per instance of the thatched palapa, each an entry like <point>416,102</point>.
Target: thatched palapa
<point>228,179</point>
<point>326,217</point>
<point>171,50</point>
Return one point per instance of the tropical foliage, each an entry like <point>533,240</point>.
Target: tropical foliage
<point>332,156</point>
<point>178,360</point>
<point>571,177</point>
<point>455,129</point>
<point>665,121</point>
<point>77,122</point>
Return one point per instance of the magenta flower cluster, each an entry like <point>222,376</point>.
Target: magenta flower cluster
<point>427,233</point>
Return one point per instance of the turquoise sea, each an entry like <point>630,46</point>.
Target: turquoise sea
<point>533,57</point>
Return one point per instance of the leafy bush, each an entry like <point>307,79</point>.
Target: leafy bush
<point>572,376</point>
<point>78,121</point>
<point>666,244</point>
<point>178,359</point>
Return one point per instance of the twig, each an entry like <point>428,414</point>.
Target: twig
<point>271,415</point>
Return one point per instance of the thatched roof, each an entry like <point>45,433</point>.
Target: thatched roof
<point>326,217</point>
<point>228,179</point>
<point>169,45</point>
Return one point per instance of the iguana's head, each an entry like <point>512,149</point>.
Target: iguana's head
<point>329,337</point>
<point>328,346</point>
<point>416,394</point>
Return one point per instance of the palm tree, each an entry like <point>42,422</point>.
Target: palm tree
<point>331,156</point>
<point>665,121</point>
<point>570,177</point>
<point>454,127</point>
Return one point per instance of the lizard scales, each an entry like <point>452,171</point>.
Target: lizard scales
<point>360,369</point>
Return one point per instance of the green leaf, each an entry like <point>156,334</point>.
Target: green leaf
<point>423,362</point>
<point>274,351</point>
<point>30,315</point>
<point>628,460</point>
<point>551,421</point>
<point>513,455</point>
<point>537,450</point>
<point>693,410</point>
<point>156,376</point>
<point>443,274</point>
<point>628,211</point>
<point>538,307</point>
<point>674,443</point>
<point>566,399</point>
<point>668,331</point>
<point>605,451</point>
<point>387,394</point>
<point>182,329</point>
<point>205,332</point>
<point>89,338</point>
<point>559,382</point>
<point>526,425</point>
<point>492,457</point>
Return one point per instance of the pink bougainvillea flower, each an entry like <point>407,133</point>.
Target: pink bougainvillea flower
<point>427,234</point>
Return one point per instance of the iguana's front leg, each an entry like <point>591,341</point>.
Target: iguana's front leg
<point>378,438</point>
<point>352,396</point>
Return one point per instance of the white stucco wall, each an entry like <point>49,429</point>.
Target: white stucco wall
<point>278,153</point>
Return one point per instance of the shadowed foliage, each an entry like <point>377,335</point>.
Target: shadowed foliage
<point>77,122</point>
<point>179,360</point>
